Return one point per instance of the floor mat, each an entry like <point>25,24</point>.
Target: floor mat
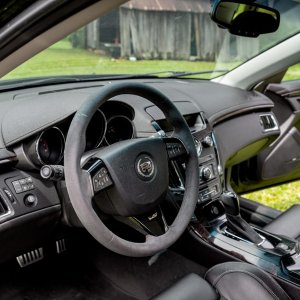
<point>145,277</point>
<point>95,273</point>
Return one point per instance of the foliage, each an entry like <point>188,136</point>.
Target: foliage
<point>292,73</point>
<point>280,197</point>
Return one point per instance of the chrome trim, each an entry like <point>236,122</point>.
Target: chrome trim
<point>219,167</point>
<point>219,119</point>
<point>141,167</point>
<point>60,246</point>
<point>275,128</point>
<point>236,237</point>
<point>198,145</point>
<point>37,143</point>
<point>10,211</point>
<point>30,257</point>
<point>8,160</point>
<point>181,186</point>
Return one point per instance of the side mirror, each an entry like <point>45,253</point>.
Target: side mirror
<point>245,19</point>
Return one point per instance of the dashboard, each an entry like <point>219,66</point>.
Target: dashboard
<point>34,127</point>
<point>112,123</point>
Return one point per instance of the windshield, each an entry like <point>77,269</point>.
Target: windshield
<point>165,37</point>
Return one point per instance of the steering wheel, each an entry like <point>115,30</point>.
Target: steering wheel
<point>129,178</point>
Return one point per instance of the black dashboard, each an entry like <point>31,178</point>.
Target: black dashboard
<point>34,126</point>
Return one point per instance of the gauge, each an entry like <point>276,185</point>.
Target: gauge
<point>119,128</point>
<point>96,130</point>
<point>50,146</point>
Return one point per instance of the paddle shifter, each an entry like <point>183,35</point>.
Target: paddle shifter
<point>234,220</point>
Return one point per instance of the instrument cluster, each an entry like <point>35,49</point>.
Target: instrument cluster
<point>111,123</point>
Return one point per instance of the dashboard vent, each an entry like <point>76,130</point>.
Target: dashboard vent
<point>3,207</point>
<point>268,122</point>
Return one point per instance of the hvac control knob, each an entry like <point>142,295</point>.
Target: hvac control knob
<point>205,173</point>
<point>208,141</point>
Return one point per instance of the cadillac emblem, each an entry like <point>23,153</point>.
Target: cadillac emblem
<point>145,166</point>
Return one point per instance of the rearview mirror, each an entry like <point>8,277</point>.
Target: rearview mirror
<point>245,19</point>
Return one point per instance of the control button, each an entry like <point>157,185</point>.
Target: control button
<point>17,186</point>
<point>30,200</point>
<point>22,181</point>
<point>175,150</point>
<point>205,173</point>
<point>101,180</point>
<point>46,172</point>
<point>9,195</point>
<point>208,141</point>
<point>25,187</point>
<point>28,180</point>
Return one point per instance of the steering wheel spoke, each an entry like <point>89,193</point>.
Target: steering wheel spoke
<point>99,175</point>
<point>153,223</point>
<point>175,148</point>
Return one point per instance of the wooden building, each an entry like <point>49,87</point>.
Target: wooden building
<point>166,29</point>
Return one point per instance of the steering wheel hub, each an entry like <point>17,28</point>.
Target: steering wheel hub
<point>145,167</point>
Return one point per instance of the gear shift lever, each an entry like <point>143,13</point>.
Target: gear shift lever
<point>234,220</point>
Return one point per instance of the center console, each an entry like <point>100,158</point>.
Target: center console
<point>218,224</point>
<point>210,172</point>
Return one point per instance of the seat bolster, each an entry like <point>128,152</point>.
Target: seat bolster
<point>190,287</point>
<point>288,223</point>
<point>237,280</point>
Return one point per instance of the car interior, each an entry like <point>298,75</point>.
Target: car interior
<point>130,186</point>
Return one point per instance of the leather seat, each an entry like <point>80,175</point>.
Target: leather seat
<point>230,281</point>
<point>288,223</point>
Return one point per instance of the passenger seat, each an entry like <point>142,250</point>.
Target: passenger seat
<point>288,223</point>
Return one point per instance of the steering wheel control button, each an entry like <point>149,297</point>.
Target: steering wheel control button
<point>145,167</point>
<point>23,185</point>
<point>175,149</point>
<point>101,180</point>
<point>30,200</point>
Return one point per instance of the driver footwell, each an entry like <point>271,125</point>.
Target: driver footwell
<point>93,272</point>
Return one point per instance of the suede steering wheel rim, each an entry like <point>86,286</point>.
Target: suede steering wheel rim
<point>78,182</point>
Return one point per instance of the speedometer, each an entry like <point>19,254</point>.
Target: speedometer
<point>119,128</point>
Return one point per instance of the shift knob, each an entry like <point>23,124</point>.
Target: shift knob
<point>232,203</point>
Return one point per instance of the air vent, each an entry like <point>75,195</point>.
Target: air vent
<point>268,122</point>
<point>3,207</point>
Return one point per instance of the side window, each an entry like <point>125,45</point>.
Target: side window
<point>280,197</point>
<point>293,73</point>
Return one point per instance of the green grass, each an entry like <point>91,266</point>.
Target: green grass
<point>292,73</point>
<point>61,59</point>
<point>281,197</point>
